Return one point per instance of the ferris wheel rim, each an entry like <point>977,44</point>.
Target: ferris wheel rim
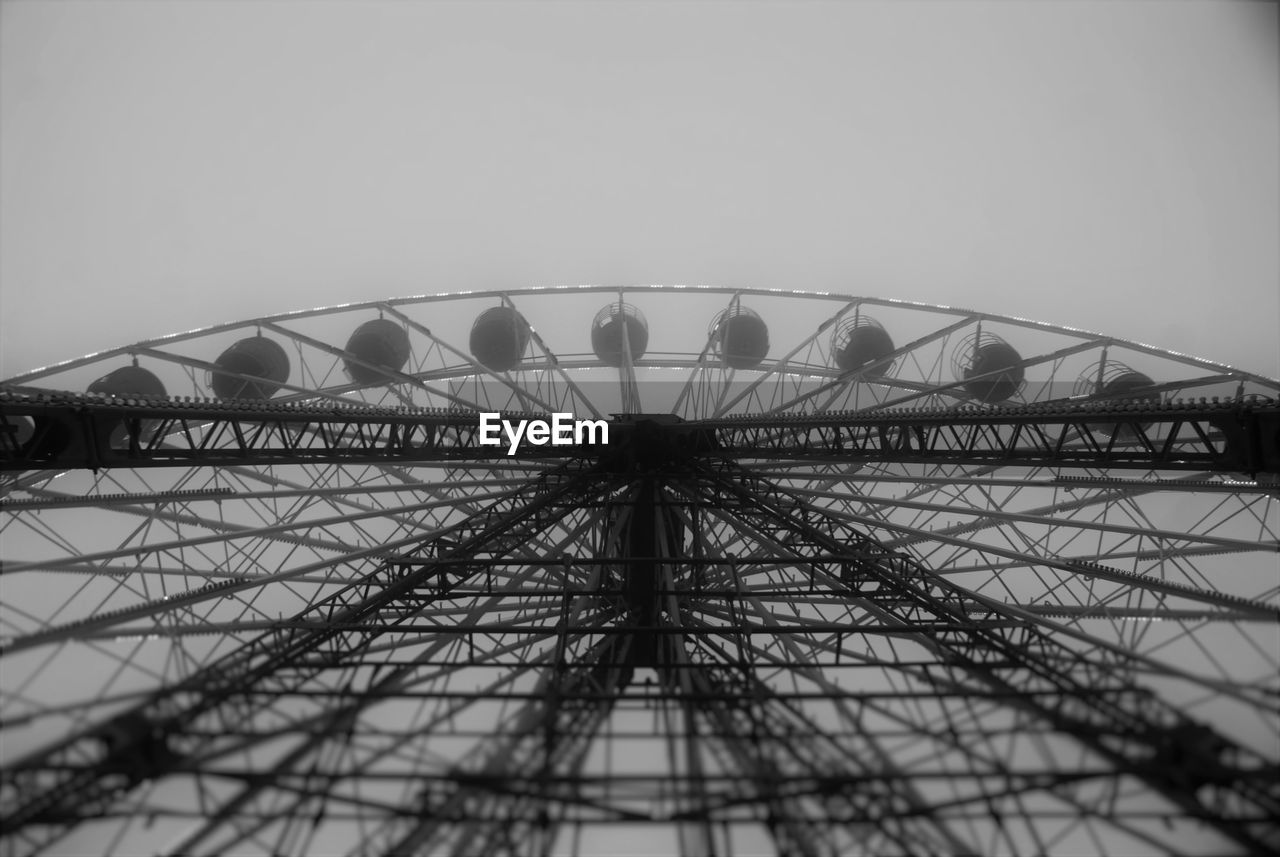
<point>826,482</point>
<point>546,290</point>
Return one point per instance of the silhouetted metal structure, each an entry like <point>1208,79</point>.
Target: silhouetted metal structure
<point>844,602</point>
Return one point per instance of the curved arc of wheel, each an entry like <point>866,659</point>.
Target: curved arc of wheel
<point>918,520</point>
<point>851,300</point>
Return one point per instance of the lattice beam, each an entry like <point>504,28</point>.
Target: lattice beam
<point>83,775</point>
<point>41,430</point>
<point>1087,694</point>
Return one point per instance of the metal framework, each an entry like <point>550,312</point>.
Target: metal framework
<point>76,431</point>
<point>789,609</point>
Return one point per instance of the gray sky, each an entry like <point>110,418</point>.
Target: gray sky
<point>1110,166</point>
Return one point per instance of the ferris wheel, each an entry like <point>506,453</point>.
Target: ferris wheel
<point>849,576</point>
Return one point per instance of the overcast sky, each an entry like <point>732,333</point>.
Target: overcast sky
<point>1111,166</point>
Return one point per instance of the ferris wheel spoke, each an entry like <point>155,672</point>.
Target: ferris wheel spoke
<point>539,743</point>
<point>348,393</point>
<point>974,593</point>
<point>1028,555</point>
<point>955,392</point>
<point>83,632</point>
<point>927,727</point>
<point>1243,517</point>
<point>208,369</point>
<point>573,398</point>
<point>699,396</point>
<point>968,733</point>
<point>528,400</point>
<point>264,505</point>
<point>508,513</point>
<point>764,510</point>
<point>1169,543</point>
<point>781,367</point>
<point>340,355</point>
<point>930,478</point>
<point>1059,601</point>
<point>233,534</point>
<point>364,755</point>
<point>888,789</point>
<point>41,498</point>
<point>837,395</point>
<point>1258,702</point>
<point>771,770</point>
<point>163,609</point>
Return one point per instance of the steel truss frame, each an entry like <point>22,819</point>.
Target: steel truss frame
<point>76,431</point>
<point>1087,694</point>
<point>794,622</point>
<point>83,775</point>
<point>984,649</point>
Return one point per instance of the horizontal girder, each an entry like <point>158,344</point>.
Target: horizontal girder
<point>58,431</point>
